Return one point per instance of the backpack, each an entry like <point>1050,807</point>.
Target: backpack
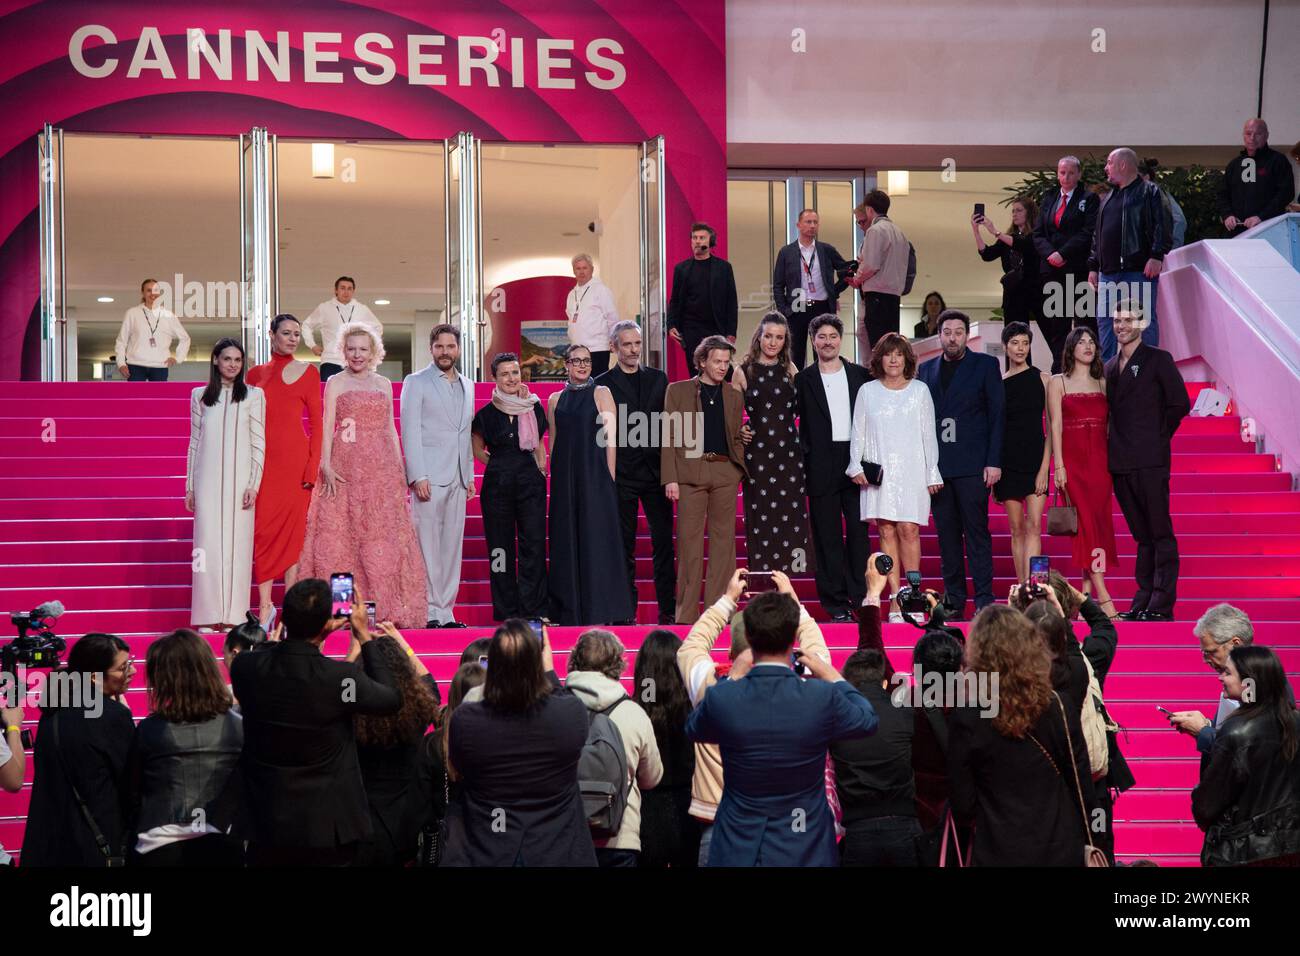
<point>911,269</point>
<point>602,773</point>
<point>1096,722</point>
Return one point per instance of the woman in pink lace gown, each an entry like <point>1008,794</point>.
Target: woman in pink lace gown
<point>360,518</point>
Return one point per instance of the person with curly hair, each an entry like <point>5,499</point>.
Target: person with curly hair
<point>1022,776</point>
<point>388,748</point>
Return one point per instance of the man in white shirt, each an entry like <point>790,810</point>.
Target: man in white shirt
<point>331,316</point>
<point>591,313</point>
<point>827,392</point>
<point>143,348</point>
<point>882,269</point>
<point>436,411</point>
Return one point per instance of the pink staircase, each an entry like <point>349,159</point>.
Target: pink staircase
<point>92,514</point>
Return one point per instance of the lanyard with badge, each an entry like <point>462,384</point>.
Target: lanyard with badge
<point>807,268</point>
<point>153,328</point>
<point>577,301</point>
<point>342,320</point>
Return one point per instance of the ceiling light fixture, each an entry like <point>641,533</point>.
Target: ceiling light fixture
<point>105,298</point>
<point>897,182</point>
<point>322,160</point>
<point>382,302</point>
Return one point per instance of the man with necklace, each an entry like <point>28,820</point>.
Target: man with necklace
<point>702,461</point>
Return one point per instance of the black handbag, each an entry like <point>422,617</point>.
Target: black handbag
<point>111,859</point>
<point>1265,836</point>
<point>874,473</point>
<point>432,839</point>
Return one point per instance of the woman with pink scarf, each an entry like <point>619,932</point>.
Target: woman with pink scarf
<point>507,437</point>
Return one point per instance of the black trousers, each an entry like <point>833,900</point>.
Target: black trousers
<point>1143,496</point>
<point>328,369</point>
<point>841,546</point>
<point>1105,840</point>
<point>649,496</point>
<point>142,373</point>
<point>599,363</point>
<point>961,511</point>
<point>799,322</point>
<point>881,311</point>
<point>1062,309</point>
<point>514,524</point>
<point>692,336</point>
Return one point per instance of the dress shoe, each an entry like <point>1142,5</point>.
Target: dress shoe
<point>841,617</point>
<point>626,622</point>
<point>1134,614</point>
<point>667,618</point>
<point>450,624</point>
<point>1155,616</point>
<point>432,625</point>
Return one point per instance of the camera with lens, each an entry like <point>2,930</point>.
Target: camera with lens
<point>36,644</point>
<point>911,599</point>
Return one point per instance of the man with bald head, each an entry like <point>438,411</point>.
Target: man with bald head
<point>1257,184</point>
<point>1133,234</point>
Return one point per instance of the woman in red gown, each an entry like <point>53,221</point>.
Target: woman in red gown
<point>1076,404</point>
<point>292,459</point>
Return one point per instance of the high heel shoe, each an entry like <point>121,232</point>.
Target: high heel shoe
<point>1113,614</point>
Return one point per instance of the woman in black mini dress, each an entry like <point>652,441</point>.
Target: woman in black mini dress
<point>1026,452</point>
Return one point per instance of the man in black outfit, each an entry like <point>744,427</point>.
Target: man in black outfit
<point>1063,238</point>
<point>639,395</point>
<point>804,283</point>
<point>703,301</point>
<point>827,392</point>
<point>304,804</point>
<point>1147,401</point>
<point>1258,183</point>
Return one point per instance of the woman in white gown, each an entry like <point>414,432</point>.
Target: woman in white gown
<point>893,427</point>
<point>222,474</point>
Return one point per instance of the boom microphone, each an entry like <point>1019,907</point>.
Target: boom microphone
<point>50,609</point>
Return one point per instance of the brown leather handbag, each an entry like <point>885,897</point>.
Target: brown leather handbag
<point>1062,518</point>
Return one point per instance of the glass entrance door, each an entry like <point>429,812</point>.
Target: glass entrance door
<point>465,250</point>
<point>653,304</point>
<point>58,347</point>
<point>258,251</point>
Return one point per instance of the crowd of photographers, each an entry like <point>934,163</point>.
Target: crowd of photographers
<point>996,749</point>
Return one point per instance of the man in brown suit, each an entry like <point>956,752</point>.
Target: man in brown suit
<point>702,462</point>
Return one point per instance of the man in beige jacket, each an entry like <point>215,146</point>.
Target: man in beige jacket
<point>595,665</point>
<point>700,672</point>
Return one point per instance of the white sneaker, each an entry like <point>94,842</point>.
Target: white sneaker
<point>896,617</point>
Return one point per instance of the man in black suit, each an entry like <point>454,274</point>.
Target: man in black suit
<point>1148,400</point>
<point>1063,238</point>
<point>804,282</point>
<point>969,404</point>
<point>304,803</point>
<point>703,301</point>
<point>827,392</point>
<point>639,396</point>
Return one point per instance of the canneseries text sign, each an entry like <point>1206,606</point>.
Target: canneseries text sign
<point>433,59</point>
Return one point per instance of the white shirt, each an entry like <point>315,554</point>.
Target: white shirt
<point>146,337</point>
<point>591,313</point>
<point>329,317</point>
<point>810,273</point>
<point>837,399</point>
<point>1226,708</point>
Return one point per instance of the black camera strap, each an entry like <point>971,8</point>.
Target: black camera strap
<point>100,840</point>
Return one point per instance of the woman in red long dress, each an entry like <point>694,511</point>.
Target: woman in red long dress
<point>292,459</point>
<point>1076,402</point>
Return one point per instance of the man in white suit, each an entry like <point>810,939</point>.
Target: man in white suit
<point>437,408</point>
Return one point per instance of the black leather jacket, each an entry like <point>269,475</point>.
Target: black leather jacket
<point>177,769</point>
<point>1248,800</point>
<point>1146,227</point>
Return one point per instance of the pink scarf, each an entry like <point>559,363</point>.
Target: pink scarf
<point>521,406</point>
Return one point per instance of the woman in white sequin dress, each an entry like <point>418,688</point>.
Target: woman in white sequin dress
<point>893,426</point>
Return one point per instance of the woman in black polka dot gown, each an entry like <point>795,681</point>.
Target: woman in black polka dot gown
<point>776,524</point>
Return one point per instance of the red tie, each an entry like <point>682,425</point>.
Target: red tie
<point>1060,210</point>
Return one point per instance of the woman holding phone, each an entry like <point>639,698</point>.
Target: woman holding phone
<point>1021,286</point>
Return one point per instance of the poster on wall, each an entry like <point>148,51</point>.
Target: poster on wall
<point>541,350</point>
